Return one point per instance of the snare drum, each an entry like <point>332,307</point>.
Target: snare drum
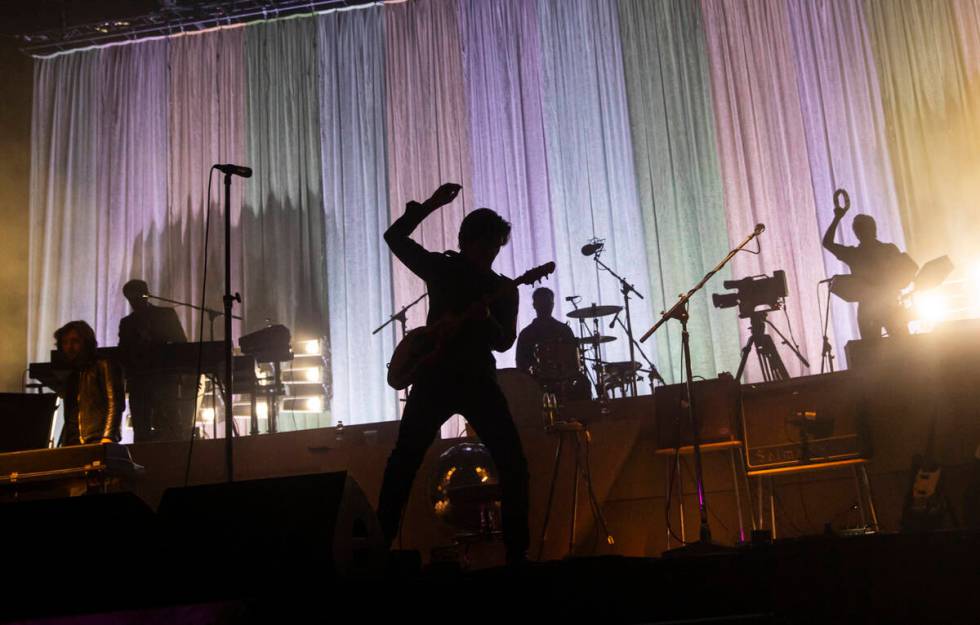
<point>556,360</point>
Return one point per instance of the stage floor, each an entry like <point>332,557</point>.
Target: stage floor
<point>927,578</point>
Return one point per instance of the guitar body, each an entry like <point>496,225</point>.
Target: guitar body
<point>406,358</point>
<point>420,347</point>
<point>926,503</point>
<point>423,347</point>
<point>925,507</point>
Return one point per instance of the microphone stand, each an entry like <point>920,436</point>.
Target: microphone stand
<point>229,301</point>
<point>403,321</point>
<point>654,373</point>
<point>827,353</point>
<point>399,317</point>
<point>679,311</point>
<point>625,288</point>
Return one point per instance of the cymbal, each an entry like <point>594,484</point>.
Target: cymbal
<point>594,339</point>
<point>625,366</point>
<point>594,311</point>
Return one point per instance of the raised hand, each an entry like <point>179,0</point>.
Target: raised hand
<point>445,194</point>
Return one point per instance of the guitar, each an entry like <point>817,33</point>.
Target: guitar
<point>423,347</point>
<point>926,503</point>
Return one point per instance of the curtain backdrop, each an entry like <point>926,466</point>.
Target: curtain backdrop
<point>207,104</point>
<point>590,159</point>
<point>427,128</point>
<point>678,177</point>
<point>283,219</point>
<point>98,185</point>
<point>355,193</point>
<point>845,131</point>
<point>932,106</point>
<point>765,165</point>
<point>667,128</point>
<point>502,65</point>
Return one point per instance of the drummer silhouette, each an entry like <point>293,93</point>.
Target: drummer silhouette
<point>543,329</point>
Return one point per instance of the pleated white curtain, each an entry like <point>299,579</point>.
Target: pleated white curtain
<point>761,136</point>
<point>591,174</point>
<point>355,191</point>
<point>207,104</point>
<point>427,127</point>
<point>283,230</point>
<point>845,132</point>
<point>932,106</point>
<point>678,177</point>
<point>502,64</point>
<point>98,185</point>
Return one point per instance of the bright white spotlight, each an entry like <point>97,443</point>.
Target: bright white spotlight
<point>312,374</point>
<point>931,306</point>
<point>261,410</point>
<point>310,348</point>
<point>207,415</point>
<point>314,404</point>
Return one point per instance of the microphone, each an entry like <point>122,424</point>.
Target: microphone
<point>592,248</point>
<point>235,170</point>
<point>613,324</point>
<point>573,298</point>
<point>759,229</point>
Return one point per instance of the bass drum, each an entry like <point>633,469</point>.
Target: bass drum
<point>523,395</point>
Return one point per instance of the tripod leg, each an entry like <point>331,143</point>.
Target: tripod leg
<point>768,352</point>
<point>745,357</point>
<point>551,493</point>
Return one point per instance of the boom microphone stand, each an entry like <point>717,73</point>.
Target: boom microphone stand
<point>402,319</point>
<point>679,311</point>
<point>625,288</point>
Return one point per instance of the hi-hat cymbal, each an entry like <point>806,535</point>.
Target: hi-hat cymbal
<point>625,366</point>
<point>595,339</point>
<point>595,310</point>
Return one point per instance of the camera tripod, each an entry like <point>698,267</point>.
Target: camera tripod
<point>770,362</point>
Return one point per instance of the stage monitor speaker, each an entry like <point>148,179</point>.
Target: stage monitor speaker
<point>74,554</point>
<point>716,402</point>
<point>281,526</point>
<point>814,419</point>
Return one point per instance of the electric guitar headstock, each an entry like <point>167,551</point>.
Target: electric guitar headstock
<point>534,275</point>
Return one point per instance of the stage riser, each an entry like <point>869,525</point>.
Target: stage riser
<point>628,477</point>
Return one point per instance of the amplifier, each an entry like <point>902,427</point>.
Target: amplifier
<point>716,403</point>
<point>814,419</point>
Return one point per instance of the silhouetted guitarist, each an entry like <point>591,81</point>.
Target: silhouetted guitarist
<point>463,381</point>
<point>879,271</point>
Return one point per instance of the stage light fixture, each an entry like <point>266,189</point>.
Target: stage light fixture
<point>310,347</point>
<point>207,415</point>
<point>314,404</point>
<point>931,306</point>
<point>313,374</point>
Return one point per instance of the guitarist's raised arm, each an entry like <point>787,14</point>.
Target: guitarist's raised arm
<point>398,236</point>
<point>838,250</point>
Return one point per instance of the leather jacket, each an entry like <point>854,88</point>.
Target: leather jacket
<point>94,403</point>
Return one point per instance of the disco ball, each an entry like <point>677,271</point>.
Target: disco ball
<point>465,488</point>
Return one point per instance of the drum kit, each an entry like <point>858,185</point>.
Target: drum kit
<point>563,367</point>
